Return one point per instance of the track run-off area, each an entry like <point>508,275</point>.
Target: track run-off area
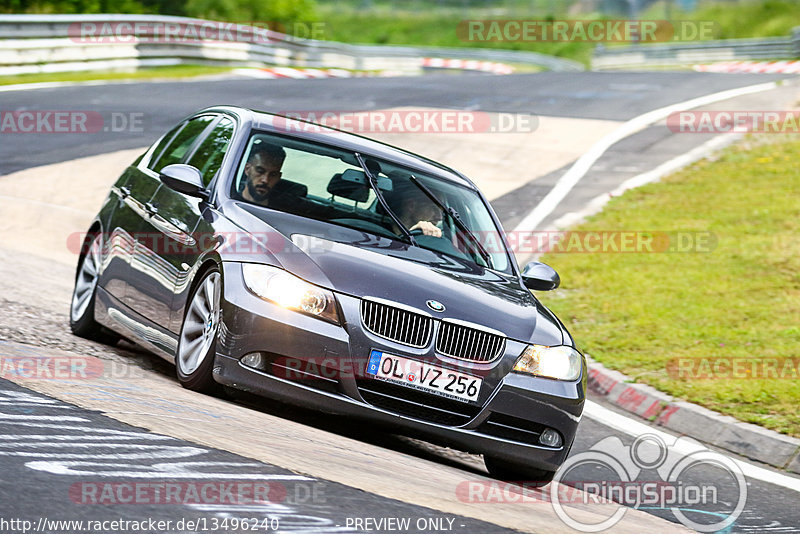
<point>75,449</point>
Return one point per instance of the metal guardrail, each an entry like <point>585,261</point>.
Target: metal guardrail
<point>683,54</point>
<point>54,43</point>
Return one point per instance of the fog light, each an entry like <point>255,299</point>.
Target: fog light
<point>254,359</point>
<point>550,438</point>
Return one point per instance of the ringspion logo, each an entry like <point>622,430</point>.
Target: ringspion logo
<point>651,472</point>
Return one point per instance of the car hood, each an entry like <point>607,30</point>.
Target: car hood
<point>364,265</point>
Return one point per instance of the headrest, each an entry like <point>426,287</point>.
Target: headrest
<point>288,187</point>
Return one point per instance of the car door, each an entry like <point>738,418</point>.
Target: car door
<point>149,275</point>
<point>132,190</point>
<point>179,231</point>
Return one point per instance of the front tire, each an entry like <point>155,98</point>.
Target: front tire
<point>81,310</point>
<point>198,339</point>
<point>511,472</point>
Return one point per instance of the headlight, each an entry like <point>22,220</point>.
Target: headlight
<point>289,291</point>
<point>561,362</point>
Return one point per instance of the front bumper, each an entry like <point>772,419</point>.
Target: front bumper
<point>325,371</point>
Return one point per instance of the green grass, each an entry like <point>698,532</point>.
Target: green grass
<point>636,312</point>
<point>181,71</point>
<point>769,18</point>
<point>423,28</point>
<point>381,24</point>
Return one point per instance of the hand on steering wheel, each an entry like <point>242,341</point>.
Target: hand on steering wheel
<point>426,228</point>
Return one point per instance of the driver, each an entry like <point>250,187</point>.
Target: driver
<point>419,214</point>
<point>262,172</point>
<point>414,209</point>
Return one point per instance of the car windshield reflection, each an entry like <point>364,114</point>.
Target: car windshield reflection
<point>380,197</point>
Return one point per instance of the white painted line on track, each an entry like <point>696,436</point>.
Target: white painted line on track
<point>113,413</point>
<point>15,417</point>
<point>121,81</point>
<point>53,85</point>
<point>668,167</point>
<point>632,427</point>
<point>585,162</point>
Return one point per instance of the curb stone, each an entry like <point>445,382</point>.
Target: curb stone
<point>702,424</point>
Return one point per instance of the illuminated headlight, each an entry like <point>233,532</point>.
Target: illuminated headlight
<point>561,362</point>
<point>289,291</point>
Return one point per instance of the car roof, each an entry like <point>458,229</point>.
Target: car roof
<point>305,130</point>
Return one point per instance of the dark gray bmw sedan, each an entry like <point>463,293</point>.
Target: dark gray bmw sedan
<point>331,271</point>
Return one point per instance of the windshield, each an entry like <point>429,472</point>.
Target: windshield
<point>331,185</point>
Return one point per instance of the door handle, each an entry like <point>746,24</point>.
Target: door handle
<point>150,209</point>
<point>124,192</point>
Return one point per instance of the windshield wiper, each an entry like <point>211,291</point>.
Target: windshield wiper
<point>456,219</point>
<point>373,183</point>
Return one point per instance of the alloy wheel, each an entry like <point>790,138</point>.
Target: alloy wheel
<point>200,325</point>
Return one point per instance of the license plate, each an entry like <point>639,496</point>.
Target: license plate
<point>423,376</point>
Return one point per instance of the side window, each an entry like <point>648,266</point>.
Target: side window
<point>208,156</point>
<point>182,142</point>
<point>162,143</point>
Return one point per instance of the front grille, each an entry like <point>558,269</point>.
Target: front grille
<point>454,339</point>
<point>417,404</point>
<point>466,343</point>
<point>396,324</point>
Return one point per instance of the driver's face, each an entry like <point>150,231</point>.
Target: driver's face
<point>418,209</point>
<point>262,175</point>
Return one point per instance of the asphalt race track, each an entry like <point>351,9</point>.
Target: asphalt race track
<point>153,430</point>
<point>610,96</point>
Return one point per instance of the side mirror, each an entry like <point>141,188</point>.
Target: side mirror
<point>540,277</point>
<point>184,179</point>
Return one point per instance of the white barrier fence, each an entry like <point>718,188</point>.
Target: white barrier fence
<point>60,43</point>
<point>685,54</point>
